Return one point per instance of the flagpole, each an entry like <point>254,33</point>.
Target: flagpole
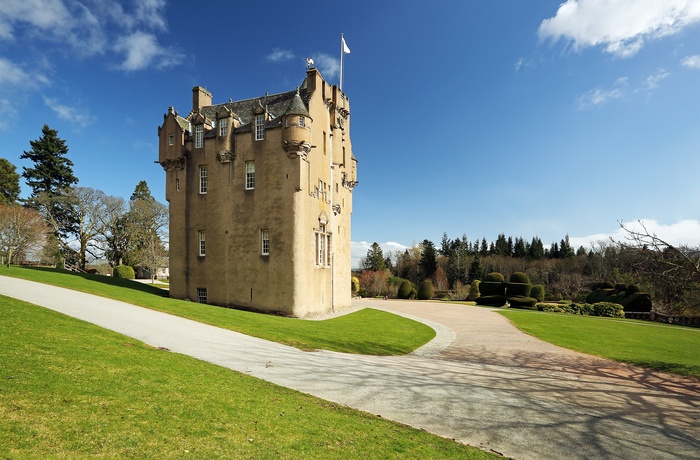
<point>342,52</point>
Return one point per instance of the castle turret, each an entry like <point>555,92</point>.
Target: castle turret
<point>296,123</point>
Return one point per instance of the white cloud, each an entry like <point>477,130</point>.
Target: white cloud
<point>280,55</point>
<point>142,50</point>
<point>653,81</point>
<point>327,64</point>
<point>597,97</point>
<point>692,61</point>
<point>72,114</point>
<point>88,27</point>
<point>622,27</point>
<point>684,232</point>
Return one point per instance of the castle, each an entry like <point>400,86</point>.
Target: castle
<point>260,195</point>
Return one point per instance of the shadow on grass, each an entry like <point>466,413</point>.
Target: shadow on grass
<point>119,282</point>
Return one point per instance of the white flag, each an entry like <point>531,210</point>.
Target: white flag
<point>346,50</point>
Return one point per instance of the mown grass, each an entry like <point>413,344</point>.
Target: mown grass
<point>367,331</point>
<point>69,389</point>
<point>662,347</point>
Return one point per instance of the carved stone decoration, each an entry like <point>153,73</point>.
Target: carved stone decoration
<point>296,149</point>
<point>225,157</point>
<point>349,184</point>
<point>178,164</point>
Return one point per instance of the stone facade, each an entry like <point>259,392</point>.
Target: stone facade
<point>260,194</point>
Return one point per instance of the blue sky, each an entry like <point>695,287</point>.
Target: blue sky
<point>478,118</point>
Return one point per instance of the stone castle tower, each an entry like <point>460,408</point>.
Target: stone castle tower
<point>260,194</point>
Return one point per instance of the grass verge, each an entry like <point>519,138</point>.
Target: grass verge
<point>662,347</point>
<point>69,389</point>
<point>367,331</point>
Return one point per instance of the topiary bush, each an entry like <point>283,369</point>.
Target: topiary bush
<point>537,292</point>
<point>405,289</point>
<point>523,302</point>
<point>609,309</point>
<point>123,271</point>
<point>494,277</point>
<point>519,277</point>
<point>354,285</point>
<point>474,290</point>
<point>491,300</point>
<point>425,290</point>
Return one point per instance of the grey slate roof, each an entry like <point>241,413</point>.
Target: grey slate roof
<point>291,102</point>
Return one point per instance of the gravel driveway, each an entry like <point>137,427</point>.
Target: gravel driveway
<point>483,382</point>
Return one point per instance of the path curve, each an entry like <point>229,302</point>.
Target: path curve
<point>513,407</point>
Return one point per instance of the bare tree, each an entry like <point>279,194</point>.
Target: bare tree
<point>673,271</point>
<point>22,230</point>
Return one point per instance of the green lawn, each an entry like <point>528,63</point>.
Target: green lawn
<point>657,346</point>
<point>69,389</point>
<point>367,331</point>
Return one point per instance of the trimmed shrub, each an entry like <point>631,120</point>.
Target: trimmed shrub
<point>583,309</point>
<point>404,290</point>
<point>519,277</point>
<point>609,309</point>
<point>354,285</point>
<point>637,301</point>
<point>537,292</point>
<point>414,293</point>
<point>491,300</point>
<point>523,302</point>
<point>474,290</point>
<point>425,290</point>
<point>632,289</point>
<point>123,271</point>
<point>494,277</point>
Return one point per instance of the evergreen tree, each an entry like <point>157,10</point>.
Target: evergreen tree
<point>484,248</point>
<point>475,271</point>
<point>501,246</point>
<point>374,260</point>
<point>565,249</point>
<point>9,182</point>
<point>519,249</point>
<point>52,172</point>
<point>428,259</point>
<point>141,192</point>
<point>50,179</point>
<point>536,251</point>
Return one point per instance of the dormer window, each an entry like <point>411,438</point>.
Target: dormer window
<point>198,136</point>
<point>259,127</point>
<point>223,127</point>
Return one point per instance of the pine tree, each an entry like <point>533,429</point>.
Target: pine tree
<point>141,192</point>
<point>52,172</point>
<point>374,260</point>
<point>475,270</point>
<point>9,182</point>
<point>50,179</point>
<point>428,259</point>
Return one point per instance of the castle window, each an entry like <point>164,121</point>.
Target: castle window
<point>177,185</point>
<point>249,175</point>
<point>301,122</point>
<point>323,243</point>
<point>201,237</point>
<point>198,136</point>
<point>259,127</point>
<point>202,295</point>
<point>171,139</point>
<point>203,180</point>
<point>223,127</point>
<point>265,242</point>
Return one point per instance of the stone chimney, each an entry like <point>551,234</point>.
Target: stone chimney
<point>200,98</point>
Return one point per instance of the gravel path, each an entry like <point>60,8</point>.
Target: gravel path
<point>483,383</point>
